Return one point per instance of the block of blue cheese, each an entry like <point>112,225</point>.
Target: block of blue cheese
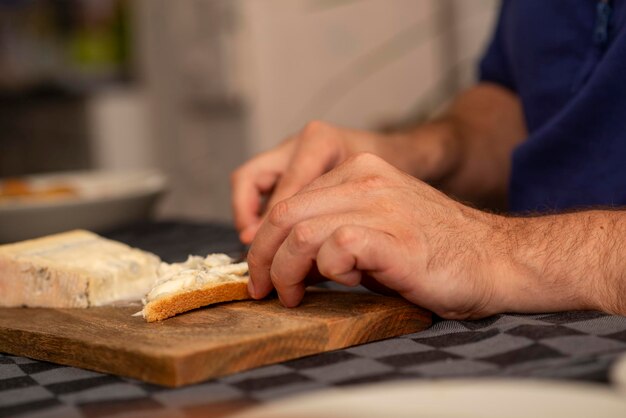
<point>75,269</point>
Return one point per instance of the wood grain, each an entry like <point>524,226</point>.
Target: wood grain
<point>208,342</point>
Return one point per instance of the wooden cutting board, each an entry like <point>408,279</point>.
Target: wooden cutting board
<point>205,343</point>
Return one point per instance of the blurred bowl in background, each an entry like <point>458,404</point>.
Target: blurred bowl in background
<point>37,205</point>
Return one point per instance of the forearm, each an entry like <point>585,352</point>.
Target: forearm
<point>564,262</point>
<point>466,152</point>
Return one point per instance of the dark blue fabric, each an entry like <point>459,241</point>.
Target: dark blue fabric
<point>573,91</point>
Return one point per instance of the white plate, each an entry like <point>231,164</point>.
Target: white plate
<point>453,399</point>
<point>618,374</point>
<point>103,200</point>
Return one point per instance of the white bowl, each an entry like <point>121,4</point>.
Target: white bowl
<point>103,200</point>
<point>618,374</point>
<point>463,398</point>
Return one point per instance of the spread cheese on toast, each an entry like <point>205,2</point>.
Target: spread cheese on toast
<point>195,283</point>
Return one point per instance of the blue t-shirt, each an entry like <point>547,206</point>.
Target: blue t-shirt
<point>569,69</point>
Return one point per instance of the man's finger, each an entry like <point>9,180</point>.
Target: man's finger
<point>247,189</point>
<point>245,202</point>
<point>282,218</point>
<point>296,256</point>
<point>353,249</point>
<point>312,157</point>
<point>247,234</point>
<point>359,170</point>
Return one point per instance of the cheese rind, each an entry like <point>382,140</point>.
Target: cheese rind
<point>75,269</point>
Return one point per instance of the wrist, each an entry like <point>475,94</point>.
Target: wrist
<point>543,271</point>
<point>497,269</point>
<point>430,152</point>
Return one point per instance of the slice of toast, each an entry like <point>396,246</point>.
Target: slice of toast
<point>75,269</point>
<point>193,284</point>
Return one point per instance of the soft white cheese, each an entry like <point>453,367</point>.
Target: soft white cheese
<point>195,273</point>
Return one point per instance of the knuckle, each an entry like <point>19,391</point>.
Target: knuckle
<point>364,159</point>
<point>314,128</point>
<point>302,235</point>
<point>346,236</point>
<point>279,214</point>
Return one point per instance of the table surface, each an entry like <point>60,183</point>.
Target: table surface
<point>571,345</point>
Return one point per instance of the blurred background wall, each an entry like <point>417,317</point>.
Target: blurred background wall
<point>195,87</point>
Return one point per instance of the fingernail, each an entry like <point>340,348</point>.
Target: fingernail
<point>246,236</point>
<point>243,237</point>
<point>251,290</point>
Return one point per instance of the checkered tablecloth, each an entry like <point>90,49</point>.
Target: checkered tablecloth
<point>571,345</point>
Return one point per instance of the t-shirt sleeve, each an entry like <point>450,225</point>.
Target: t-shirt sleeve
<point>495,66</point>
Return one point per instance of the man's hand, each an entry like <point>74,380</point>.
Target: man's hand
<point>283,171</point>
<point>367,221</point>
<point>465,152</point>
<point>370,223</point>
